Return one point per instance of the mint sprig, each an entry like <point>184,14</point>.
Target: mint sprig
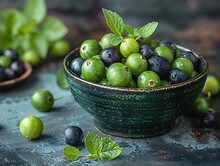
<point>100,148</point>
<point>117,26</point>
<point>114,22</point>
<point>28,29</point>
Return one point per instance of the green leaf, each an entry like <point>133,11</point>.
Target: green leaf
<point>71,153</point>
<point>26,28</point>
<point>13,22</point>
<point>40,44</point>
<point>114,22</point>
<point>53,29</point>
<point>35,10</point>
<point>93,143</point>
<point>110,150</point>
<point>61,79</point>
<point>148,29</point>
<point>130,30</point>
<point>115,40</point>
<point>137,31</point>
<point>5,41</point>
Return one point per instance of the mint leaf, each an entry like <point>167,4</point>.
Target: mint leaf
<point>40,44</point>
<point>13,22</point>
<point>137,31</point>
<point>93,143</point>
<point>71,153</point>
<point>130,30</point>
<point>110,149</point>
<point>115,40</point>
<point>26,28</point>
<point>148,29</point>
<point>53,29</point>
<point>35,10</point>
<point>114,22</point>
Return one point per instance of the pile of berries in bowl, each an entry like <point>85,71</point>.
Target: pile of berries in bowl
<point>135,87</point>
<point>12,69</point>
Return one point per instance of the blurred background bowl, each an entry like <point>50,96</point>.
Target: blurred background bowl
<point>135,113</point>
<point>9,84</point>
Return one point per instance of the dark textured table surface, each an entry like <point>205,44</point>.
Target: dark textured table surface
<point>181,146</point>
<point>184,145</point>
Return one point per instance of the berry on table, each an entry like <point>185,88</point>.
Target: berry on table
<point>73,135</point>
<point>31,127</point>
<point>42,100</point>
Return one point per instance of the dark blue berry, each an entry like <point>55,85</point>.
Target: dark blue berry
<point>169,44</point>
<point>109,56</point>
<point>12,54</point>
<point>73,135</point>
<point>18,67</point>
<point>208,120</point>
<point>191,56</point>
<point>160,65</point>
<point>146,51</point>
<point>176,76</point>
<point>2,75</point>
<point>10,74</point>
<point>76,65</point>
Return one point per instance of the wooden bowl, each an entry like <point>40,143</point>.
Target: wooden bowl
<point>7,85</point>
<point>135,112</point>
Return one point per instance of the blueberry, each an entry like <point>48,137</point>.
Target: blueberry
<point>159,65</point>
<point>168,44</point>
<point>76,65</point>
<point>2,75</point>
<point>18,67</point>
<point>109,56</point>
<point>10,74</point>
<point>176,76</point>
<point>191,56</point>
<point>12,54</point>
<point>146,51</point>
<point>73,135</point>
<point>208,120</point>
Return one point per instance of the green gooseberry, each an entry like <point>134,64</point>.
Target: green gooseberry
<point>148,79</point>
<point>136,63</point>
<point>5,62</point>
<point>118,75</point>
<point>89,48</point>
<point>200,106</point>
<point>106,40</point>
<point>211,86</point>
<point>129,46</point>
<point>42,100</point>
<point>183,64</point>
<point>165,52</point>
<point>31,127</point>
<point>93,70</point>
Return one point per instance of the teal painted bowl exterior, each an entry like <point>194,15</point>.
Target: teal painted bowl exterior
<point>135,113</point>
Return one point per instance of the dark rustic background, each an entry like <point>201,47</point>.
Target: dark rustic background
<point>191,23</point>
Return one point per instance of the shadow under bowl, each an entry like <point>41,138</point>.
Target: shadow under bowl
<point>135,112</point>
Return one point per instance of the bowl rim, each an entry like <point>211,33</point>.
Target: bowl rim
<point>138,90</point>
<point>25,75</point>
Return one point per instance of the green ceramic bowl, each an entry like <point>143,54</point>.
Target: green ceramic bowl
<point>135,113</point>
